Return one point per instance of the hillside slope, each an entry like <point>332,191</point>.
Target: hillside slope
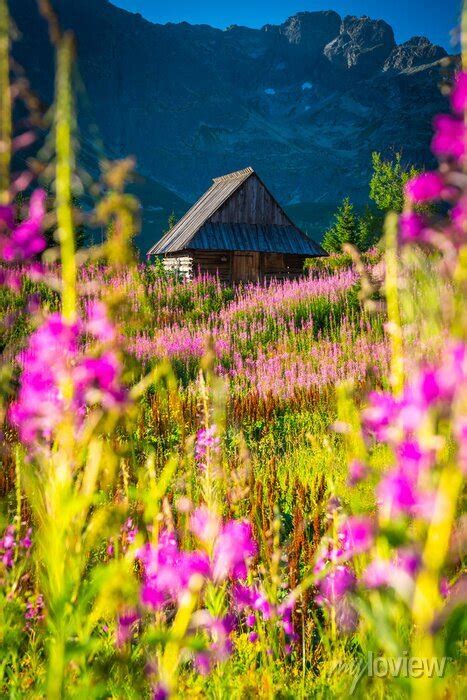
<point>304,102</point>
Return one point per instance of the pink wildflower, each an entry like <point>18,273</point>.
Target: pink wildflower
<point>207,444</point>
<point>34,611</point>
<point>168,570</point>
<point>357,472</point>
<point>8,547</point>
<point>411,227</point>
<point>97,380</point>
<point>450,139</point>
<point>397,493</point>
<point>335,584</point>
<point>160,693</point>
<point>377,574</point>
<point>98,323</point>
<point>126,626</point>
<point>220,644</point>
<point>357,535</point>
<point>26,542</point>
<point>380,413</point>
<point>425,187</point>
<point>398,573</point>
<point>205,525</point>
<point>56,379</point>
<point>27,239</point>
<point>234,547</point>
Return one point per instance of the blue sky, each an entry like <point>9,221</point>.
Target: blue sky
<point>432,18</point>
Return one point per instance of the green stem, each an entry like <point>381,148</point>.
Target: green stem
<point>64,170</point>
<point>464,35</point>
<point>18,458</point>
<point>56,667</point>
<point>5,104</point>
<point>171,657</point>
<point>392,301</point>
<point>427,600</point>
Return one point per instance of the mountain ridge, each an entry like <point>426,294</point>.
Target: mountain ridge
<point>304,102</point>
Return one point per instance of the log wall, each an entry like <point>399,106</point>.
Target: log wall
<point>181,265</point>
<point>220,263</point>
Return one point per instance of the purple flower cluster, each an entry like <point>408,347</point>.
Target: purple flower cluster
<point>252,601</point>
<point>57,380</point>
<point>206,445</point>
<point>404,424</point>
<point>335,582</point>
<point>127,536</point>
<point>217,630</point>
<point>450,145</point>
<point>23,241</point>
<point>126,626</point>
<point>409,425</point>
<point>34,611</point>
<point>168,569</point>
<point>335,577</point>
<point>398,572</point>
<point>9,545</point>
<point>169,573</point>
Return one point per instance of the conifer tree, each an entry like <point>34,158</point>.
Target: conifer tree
<point>344,230</point>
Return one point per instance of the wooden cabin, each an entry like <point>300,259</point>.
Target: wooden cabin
<point>238,231</point>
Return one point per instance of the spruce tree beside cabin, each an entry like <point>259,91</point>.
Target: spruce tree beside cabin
<point>344,230</point>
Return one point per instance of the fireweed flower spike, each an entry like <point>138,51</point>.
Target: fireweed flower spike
<point>8,546</point>
<point>450,139</point>
<point>34,611</point>
<point>126,626</point>
<point>425,187</point>
<point>25,240</point>
<point>356,535</point>
<point>233,549</point>
<point>205,525</point>
<point>207,442</point>
<point>50,362</point>
<point>411,227</point>
<point>168,570</point>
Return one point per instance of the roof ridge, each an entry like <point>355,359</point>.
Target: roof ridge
<point>234,175</point>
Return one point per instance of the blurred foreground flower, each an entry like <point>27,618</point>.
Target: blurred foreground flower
<point>58,381</point>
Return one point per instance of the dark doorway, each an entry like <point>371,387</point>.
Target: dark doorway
<point>245,267</point>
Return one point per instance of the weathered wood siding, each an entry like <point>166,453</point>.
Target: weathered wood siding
<point>281,266</point>
<point>250,204</point>
<point>221,263</point>
<point>214,262</point>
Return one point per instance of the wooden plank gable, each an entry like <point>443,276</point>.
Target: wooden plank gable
<point>251,203</point>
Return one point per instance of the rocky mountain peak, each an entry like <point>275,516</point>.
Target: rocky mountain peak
<point>363,44</point>
<point>415,52</point>
<point>311,30</point>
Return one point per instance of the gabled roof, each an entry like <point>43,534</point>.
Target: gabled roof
<point>195,231</point>
<point>221,189</point>
<point>263,238</point>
